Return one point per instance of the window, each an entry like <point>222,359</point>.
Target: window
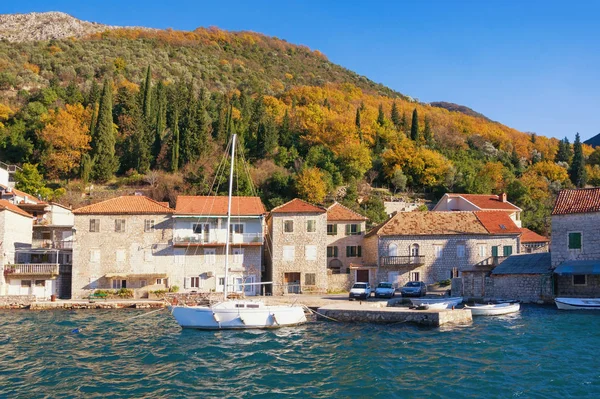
<point>310,252</point>
<point>143,283</point>
<point>414,250</point>
<point>332,252</point>
<point>119,225</point>
<point>415,276</point>
<point>210,256</point>
<point>460,251</point>
<point>332,229</point>
<point>117,284</point>
<point>310,279</point>
<point>392,250</point>
<point>437,251</point>
<point>94,255</point>
<point>353,251</point>
<point>482,250</point>
<point>40,283</point>
<point>195,282</point>
<point>352,229</point>
<point>507,250</point>
<point>148,225</point>
<point>197,228</point>
<point>288,226</point>
<point>94,225</point>
<point>574,240</point>
<point>159,281</point>
<point>238,255</point>
<point>120,255</point>
<point>495,251</point>
<point>311,226</point>
<point>221,281</point>
<point>579,279</point>
<point>25,283</point>
<point>289,252</point>
<point>236,228</point>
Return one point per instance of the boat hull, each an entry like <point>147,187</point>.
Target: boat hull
<point>577,303</point>
<point>215,318</point>
<point>494,310</point>
<point>452,301</point>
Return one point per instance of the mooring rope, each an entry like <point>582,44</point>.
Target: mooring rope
<point>320,314</point>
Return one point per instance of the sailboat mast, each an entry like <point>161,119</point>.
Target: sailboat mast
<point>227,236</point>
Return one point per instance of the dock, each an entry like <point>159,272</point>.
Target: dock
<point>369,312</point>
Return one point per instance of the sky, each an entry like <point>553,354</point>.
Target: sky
<point>532,65</point>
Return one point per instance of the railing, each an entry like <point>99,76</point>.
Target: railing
<point>31,269</point>
<point>411,260</point>
<point>219,239</point>
<point>51,244</point>
<point>492,261</point>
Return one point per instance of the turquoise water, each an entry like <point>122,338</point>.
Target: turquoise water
<point>540,353</point>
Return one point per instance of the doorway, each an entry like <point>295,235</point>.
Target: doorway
<point>362,276</point>
<point>291,283</point>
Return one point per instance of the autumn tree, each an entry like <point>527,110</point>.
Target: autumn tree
<point>414,128</point>
<point>577,169</point>
<point>311,186</point>
<point>103,141</point>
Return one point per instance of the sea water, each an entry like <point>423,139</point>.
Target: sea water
<point>538,353</point>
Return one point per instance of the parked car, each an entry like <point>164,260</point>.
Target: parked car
<point>384,290</point>
<point>360,291</point>
<point>414,288</point>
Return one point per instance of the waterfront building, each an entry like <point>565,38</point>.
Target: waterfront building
<point>296,250</point>
<point>532,242</point>
<point>16,228</point>
<point>199,235</point>
<point>436,246</point>
<point>124,242</point>
<point>479,202</point>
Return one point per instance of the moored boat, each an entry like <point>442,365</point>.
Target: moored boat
<point>494,309</point>
<point>438,305</point>
<point>577,303</point>
<point>450,301</point>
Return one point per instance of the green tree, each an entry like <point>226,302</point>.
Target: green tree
<point>427,133</point>
<point>357,124</point>
<point>30,180</point>
<point>85,168</point>
<point>103,141</point>
<point>399,180</point>
<point>147,99</point>
<point>564,152</point>
<point>175,146</point>
<point>414,128</point>
<point>396,118</point>
<point>577,171</point>
<point>380,116</point>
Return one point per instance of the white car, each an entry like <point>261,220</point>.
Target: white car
<point>385,290</point>
<point>360,291</point>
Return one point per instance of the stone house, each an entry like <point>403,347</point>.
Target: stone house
<point>479,202</point>
<point>296,250</point>
<point>436,246</point>
<point>199,236</point>
<point>124,242</point>
<point>532,242</point>
<point>576,243</point>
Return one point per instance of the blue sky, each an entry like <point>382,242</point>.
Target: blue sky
<point>532,65</point>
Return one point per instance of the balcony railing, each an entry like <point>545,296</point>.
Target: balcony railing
<point>492,261</point>
<point>52,244</point>
<point>219,239</point>
<point>411,260</point>
<point>31,269</point>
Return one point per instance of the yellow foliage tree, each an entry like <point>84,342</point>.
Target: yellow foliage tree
<point>311,185</point>
<point>66,134</point>
<point>493,172</point>
<point>551,171</point>
<point>5,113</point>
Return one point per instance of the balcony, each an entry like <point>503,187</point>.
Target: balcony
<point>411,260</point>
<point>52,244</point>
<point>219,239</point>
<point>491,261</point>
<point>31,269</point>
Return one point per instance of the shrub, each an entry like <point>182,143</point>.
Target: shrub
<point>445,283</point>
<point>174,288</point>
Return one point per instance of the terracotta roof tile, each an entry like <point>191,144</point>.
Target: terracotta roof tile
<point>125,205</point>
<point>531,236</point>
<point>338,212</point>
<point>430,223</point>
<point>298,206</point>
<point>4,204</point>
<point>217,206</point>
<point>497,222</point>
<point>487,201</point>
<point>14,191</point>
<point>583,200</point>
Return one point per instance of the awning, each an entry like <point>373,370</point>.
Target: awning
<point>571,267</point>
<point>134,275</point>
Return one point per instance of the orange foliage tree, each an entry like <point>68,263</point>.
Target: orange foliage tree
<point>311,186</point>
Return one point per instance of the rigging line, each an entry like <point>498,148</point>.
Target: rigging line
<point>320,314</point>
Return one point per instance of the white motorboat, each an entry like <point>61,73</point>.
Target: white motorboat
<point>450,301</point>
<point>577,303</point>
<point>494,309</point>
<point>438,305</point>
<point>236,314</point>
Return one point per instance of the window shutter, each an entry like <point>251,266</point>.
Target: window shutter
<point>335,252</point>
<point>495,251</point>
<point>574,240</point>
<point>348,231</point>
<point>186,282</point>
<point>359,251</point>
<point>358,229</point>
<point>335,229</point>
<point>347,252</point>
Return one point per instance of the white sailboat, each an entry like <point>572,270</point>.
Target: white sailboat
<point>236,314</point>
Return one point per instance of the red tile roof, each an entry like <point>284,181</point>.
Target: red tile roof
<point>298,206</point>
<point>338,212</point>
<point>583,200</point>
<point>125,205</point>
<point>487,201</point>
<point>497,222</point>
<point>14,191</point>
<point>217,206</point>
<point>531,236</point>
<point>4,204</point>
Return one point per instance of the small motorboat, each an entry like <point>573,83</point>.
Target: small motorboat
<point>438,305</point>
<point>494,309</point>
<point>577,303</point>
<point>449,301</point>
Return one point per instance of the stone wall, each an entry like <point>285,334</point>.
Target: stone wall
<point>587,224</point>
<point>341,241</point>
<point>523,287</point>
<point>339,282</point>
<point>566,288</point>
<point>16,301</point>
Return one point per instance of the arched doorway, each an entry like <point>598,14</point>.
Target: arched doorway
<point>392,250</point>
<point>335,265</point>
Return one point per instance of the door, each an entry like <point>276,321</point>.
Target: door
<point>220,284</point>
<point>362,276</point>
<point>291,283</point>
<point>249,287</point>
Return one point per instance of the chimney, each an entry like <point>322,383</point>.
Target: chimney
<point>503,197</point>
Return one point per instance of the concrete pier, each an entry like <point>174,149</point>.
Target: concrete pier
<point>366,312</point>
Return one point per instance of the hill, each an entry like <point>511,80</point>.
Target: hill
<point>458,108</point>
<point>171,99</point>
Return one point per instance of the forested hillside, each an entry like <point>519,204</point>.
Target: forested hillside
<point>156,108</point>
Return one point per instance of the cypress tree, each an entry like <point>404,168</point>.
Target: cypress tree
<point>285,134</point>
<point>175,146</point>
<point>103,142</point>
<point>147,100</point>
<point>564,152</point>
<point>93,121</point>
<point>427,133</point>
<point>404,123</point>
<point>577,170</point>
<point>396,119</point>
<point>85,168</point>
<point>381,116</point>
<point>357,123</point>
<point>161,118</point>
<point>94,94</point>
<point>414,129</point>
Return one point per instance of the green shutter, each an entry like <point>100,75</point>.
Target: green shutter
<point>507,250</point>
<point>358,229</point>
<point>348,231</point>
<point>335,229</point>
<point>335,252</point>
<point>574,240</point>
<point>348,252</point>
<point>495,251</point>
<point>359,251</point>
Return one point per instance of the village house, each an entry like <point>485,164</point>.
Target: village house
<point>124,242</point>
<point>436,246</point>
<point>479,202</point>
<point>296,250</point>
<point>199,238</point>
<point>532,242</point>
<point>576,243</point>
